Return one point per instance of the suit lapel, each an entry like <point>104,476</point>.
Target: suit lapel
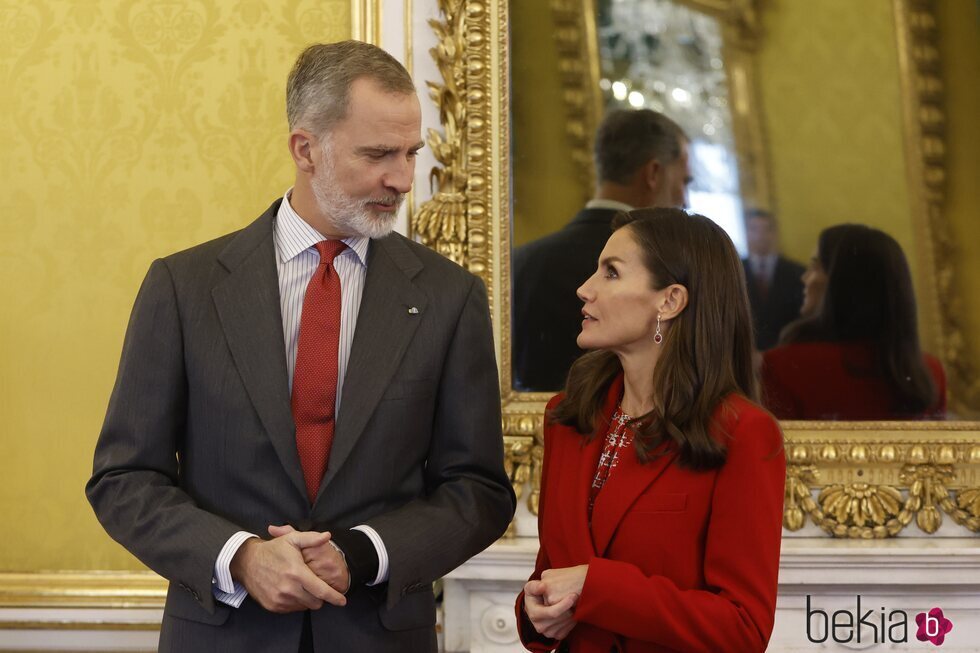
<point>384,329</point>
<point>247,302</point>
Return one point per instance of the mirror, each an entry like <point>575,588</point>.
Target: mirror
<point>932,467</point>
<point>781,116</point>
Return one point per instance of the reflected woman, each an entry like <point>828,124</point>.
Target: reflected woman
<point>662,487</point>
<point>855,353</point>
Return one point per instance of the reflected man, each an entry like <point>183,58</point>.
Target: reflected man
<point>305,428</point>
<point>774,281</point>
<point>641,160</point>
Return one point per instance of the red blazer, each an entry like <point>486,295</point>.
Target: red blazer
<point>817,380</point>
<point>678,560</point>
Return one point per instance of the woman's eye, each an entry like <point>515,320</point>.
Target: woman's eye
<point>611,272</point>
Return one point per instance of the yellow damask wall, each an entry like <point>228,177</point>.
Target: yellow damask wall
<point>831,100</point>
<point>130,129</point>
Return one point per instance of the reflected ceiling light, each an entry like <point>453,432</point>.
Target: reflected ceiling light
<point>636,99</point>
<point>619,90</point>
<point>604,84</point>
<point>681,95</point>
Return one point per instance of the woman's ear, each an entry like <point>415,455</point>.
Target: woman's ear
<point>674,301</point>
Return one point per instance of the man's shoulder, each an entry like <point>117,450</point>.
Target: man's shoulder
<point>237,243</point>
<point>589,226</point>
<point>208,250</point>
<point>790,265</point>
<point>410,255</point>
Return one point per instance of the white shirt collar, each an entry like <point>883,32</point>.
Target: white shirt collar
<point>608,204</point>
<point>295,235</point>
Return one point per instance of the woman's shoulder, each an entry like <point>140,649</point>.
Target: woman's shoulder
<point>554,401</point>
<point>553,428</point>
<point>800,349</point>
<point>746,422</point>
<point>934,365</point>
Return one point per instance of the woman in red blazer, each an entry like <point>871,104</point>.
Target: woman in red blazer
<point>662,487</point>
<point>855,354</point>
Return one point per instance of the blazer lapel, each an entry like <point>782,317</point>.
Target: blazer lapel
<point>588,461</point>
<point>577,510</point>
<point>627,482</point>
<point>247,302</point>
<point>384,329</point>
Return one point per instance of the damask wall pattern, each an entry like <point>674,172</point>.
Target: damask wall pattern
<point>131,129</point>
<point>832,111</point>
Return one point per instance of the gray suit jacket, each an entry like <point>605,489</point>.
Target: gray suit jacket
<point>198,441</point>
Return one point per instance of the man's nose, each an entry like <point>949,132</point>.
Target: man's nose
<point>401,176</point>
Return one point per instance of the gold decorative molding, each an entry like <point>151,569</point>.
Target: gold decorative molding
<point>574,32</point>
<point>925,123</point>
<point>93,589</point>
<point>852,479</point>
<point>875,481</point>
<point>69,624</point>
<point>365,21</point>
<point>456,221</point>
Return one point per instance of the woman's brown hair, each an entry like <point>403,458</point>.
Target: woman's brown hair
<point>869,298</point>
<point>706,353</point>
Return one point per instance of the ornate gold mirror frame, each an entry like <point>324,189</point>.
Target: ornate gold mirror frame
<point>850,479</point>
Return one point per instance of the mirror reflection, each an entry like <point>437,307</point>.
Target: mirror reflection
<point>855,352</point>
<point>641,161</point>
<point>667,57</point>
<point>662,71</point>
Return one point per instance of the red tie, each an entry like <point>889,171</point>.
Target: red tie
<point>315,376</point>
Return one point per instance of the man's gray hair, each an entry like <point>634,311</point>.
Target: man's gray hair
<point>628,139</point>
<point>318,88</point>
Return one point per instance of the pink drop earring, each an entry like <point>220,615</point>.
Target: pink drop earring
<point>658,337</point>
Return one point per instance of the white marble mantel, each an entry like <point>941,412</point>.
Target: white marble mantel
<point>911,574</point>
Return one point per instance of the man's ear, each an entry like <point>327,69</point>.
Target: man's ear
<point>674,301</point>
<point>652,173</point>
<point>301,147</point>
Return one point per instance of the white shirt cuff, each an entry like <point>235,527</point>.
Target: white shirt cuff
<point>382,552</point>
<point>223,587</point>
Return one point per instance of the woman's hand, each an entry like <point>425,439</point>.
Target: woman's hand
<point>551,620</point>
<point>559,583</point>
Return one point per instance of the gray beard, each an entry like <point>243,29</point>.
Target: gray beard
<point>350,215</point>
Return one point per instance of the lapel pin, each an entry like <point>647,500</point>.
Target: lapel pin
<point>413,311</point>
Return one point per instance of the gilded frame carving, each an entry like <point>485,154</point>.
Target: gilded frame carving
<point>852,480</point>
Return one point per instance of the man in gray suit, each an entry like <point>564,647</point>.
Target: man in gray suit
<point>305,428</point>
